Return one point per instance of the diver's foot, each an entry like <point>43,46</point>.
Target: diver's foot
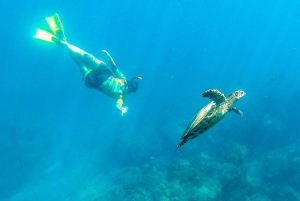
<point>59,42</point>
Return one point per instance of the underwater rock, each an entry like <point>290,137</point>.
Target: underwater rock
<point>211,190</point>
<point>258,197</point>
<point>206,178</point>
<point>280,169</point>
<point>234,153</point>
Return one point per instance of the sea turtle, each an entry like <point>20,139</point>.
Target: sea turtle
<point>211,114</point>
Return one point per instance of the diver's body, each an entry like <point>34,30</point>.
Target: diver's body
<point>95,73</point>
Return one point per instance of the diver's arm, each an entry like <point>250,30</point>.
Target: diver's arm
<point>113,67</point>
<point>119,75</point>
<point>112,63</point>
<point>119,105</point>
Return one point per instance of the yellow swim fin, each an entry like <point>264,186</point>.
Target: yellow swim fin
<point>44,35</point>
<point>56,26</point>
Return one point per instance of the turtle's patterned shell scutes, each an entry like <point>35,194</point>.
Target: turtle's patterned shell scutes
<point>211,114</point>
<point>198,118</point>
<point>205,119</point>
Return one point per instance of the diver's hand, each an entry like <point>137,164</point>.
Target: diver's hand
<point>123,110</point>
<point>109,58</point>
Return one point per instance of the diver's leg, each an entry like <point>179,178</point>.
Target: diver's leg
<point>86,60</point>
<point>83,69</point>
<point>77,56</point>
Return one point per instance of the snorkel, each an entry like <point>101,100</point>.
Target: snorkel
<point>136,78</point>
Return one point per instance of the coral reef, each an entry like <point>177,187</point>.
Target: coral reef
<point>280,170</point>
<point>228,176</point>
<point>199,177</point>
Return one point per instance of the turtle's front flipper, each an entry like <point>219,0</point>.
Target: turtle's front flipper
<point>214,95</point>
<point>234,109</point>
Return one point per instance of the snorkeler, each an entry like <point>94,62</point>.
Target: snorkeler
<point>95,73</point>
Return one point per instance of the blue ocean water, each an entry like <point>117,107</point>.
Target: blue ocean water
<point>62,141</point>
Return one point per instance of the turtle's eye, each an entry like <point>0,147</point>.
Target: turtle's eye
<point>236,93</point>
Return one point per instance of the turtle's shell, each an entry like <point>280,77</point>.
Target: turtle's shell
<point>211,114</point>
<point>206,118</point>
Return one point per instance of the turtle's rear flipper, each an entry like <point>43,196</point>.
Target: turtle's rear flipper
<point>234,109</point>
<point>181,144</point>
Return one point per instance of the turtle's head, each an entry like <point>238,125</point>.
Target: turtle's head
<point>237,95</point>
